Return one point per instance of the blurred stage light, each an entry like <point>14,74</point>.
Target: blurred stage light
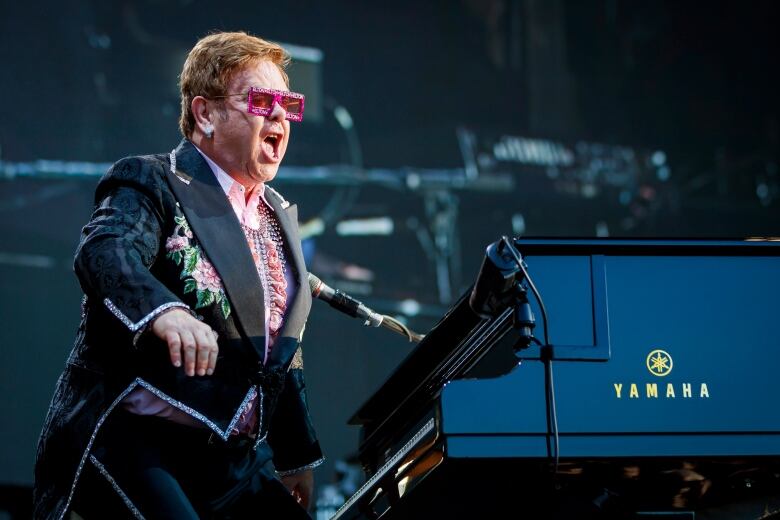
<point>602,229</point>
<point>311,228</point>
<point>364,227</point>
<point>518,224</point>
<point>409,307</point>
<point>658,158</point>
<point>305,73</point>
<point>342,116</point>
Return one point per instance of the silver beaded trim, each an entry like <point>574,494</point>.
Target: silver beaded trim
<point>302,468</point>
<point>182,177</point>
<point>186,409</point>
<point>134,327</point>
<point>122,495</point>
<point>83,460</point>
<point>260,423</point>
<point>197,415</point>
<point>283,202</point>
<point>244,404</point>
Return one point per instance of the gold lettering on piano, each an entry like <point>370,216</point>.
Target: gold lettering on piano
<point>660,364</point>
<point>652,390</point>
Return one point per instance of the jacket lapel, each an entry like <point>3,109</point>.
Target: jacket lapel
<point>299,308</point>
<point>216,227</point>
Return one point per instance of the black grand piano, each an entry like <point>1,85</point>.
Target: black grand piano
<point>663,401</point>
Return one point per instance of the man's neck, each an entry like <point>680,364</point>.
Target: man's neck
<point>205,147</point>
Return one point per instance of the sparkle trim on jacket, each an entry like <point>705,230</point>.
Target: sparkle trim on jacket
<point>302,468</point>
<point>134,327</point>
<point>260,423</point>
<point>83,460</point>
<point>119,491</point>
<point>199,416</point>
<point>184,408</point>
<point>282,201</point>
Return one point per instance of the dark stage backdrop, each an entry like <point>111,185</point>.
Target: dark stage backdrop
<point>455,121</point>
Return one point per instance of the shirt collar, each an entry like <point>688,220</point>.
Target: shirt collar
<point>224,179</point>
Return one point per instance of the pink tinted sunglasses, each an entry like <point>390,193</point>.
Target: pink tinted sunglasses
<point>261,102</point>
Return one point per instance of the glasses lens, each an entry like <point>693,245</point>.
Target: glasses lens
<point>291,105</point>
<point>262,100</point>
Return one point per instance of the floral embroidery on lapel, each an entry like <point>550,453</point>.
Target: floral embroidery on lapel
<point>197,272</point>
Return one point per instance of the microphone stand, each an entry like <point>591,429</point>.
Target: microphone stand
<point>524,322</point>
<point>523,319</point>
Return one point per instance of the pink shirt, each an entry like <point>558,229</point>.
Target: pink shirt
<point>248,215</point>
<point>140,400</point>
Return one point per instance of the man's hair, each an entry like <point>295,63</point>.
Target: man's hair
<point>213,62</point>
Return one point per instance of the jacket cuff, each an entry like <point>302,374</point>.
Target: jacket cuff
<point>140,324</point>
<point>156,313</point>
<point>301,460</point>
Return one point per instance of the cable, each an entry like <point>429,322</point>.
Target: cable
<point>393,324</point>
<point>553,451</point>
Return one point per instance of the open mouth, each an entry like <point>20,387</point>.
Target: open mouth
<point>271,144</point>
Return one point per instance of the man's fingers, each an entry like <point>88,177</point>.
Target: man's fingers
<point>213,358</point>
<point>190,342</point>
<point>174,347</point>
<point>205,342</point>
<point>188,345</point>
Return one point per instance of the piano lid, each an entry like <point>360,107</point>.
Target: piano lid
<point>413,380</point>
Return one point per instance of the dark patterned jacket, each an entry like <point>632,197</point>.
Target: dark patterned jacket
<point>129,277</point>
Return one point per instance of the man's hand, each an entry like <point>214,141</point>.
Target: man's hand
<point>300,485</point>
<point>184,333</point>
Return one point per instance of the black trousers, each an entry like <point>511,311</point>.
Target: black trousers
<point>147,467</point>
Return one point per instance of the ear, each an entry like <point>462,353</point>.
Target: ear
<point>202,114</point>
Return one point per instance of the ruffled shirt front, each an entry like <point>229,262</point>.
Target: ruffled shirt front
<point>265,241</point>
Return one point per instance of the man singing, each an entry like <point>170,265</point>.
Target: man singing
<point>183,396</point>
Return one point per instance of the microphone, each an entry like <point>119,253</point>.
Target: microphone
<point>492,292</point>
<point>352,307</point>
<point>343,302</point>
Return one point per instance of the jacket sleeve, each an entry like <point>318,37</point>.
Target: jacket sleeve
<point>121,242</point>
<point>291,436</point>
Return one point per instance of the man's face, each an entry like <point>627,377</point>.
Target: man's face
<point>249,147</point>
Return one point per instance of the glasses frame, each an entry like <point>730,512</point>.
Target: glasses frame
<point>278,95</point>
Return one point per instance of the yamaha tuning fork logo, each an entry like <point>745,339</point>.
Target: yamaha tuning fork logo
<point>659,363</point>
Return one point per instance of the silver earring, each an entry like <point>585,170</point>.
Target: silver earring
<point>209,131</point>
